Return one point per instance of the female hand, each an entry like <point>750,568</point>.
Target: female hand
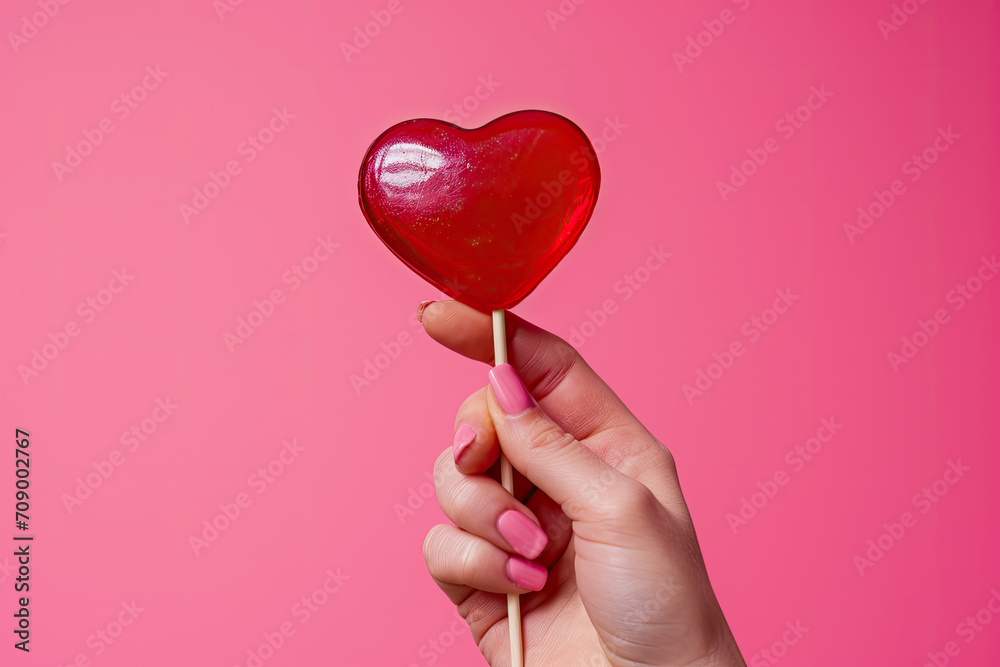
<point>603,550</point>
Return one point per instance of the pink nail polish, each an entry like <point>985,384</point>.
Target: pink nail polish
<point>464,436</point>
<point>522,533</point>
<point>420,309</point>
<point>526,575</point>
<point>510,391</point>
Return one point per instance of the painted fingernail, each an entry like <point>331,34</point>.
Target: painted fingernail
<point>464,436</point>
<point>421,308</point>
<point>526,575</point>
<point>510,391</point>
<point>522,533</point>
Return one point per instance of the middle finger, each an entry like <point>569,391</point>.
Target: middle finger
<point>480,505</point>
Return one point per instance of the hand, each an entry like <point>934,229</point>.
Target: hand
<point>603,549</point>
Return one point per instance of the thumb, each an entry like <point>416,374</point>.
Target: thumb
<point>570,473</point>
<point>555,372</point>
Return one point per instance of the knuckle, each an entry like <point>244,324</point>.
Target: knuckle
<point>634,499</point>
<point>475,402</point>
<point>476,613</point>
<point>669,462</point>
<point>461,500</point>
<point>432,543</point>
<point>666,462</point>
<point>546,435</point>
<point>445,459</point>
<point>565,354</point>
<point>468,565</point>
<point>543,356</point>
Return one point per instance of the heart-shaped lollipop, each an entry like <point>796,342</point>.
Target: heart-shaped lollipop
<point>484,214</point>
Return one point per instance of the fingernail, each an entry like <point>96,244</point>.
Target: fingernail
<point>522,533</point>
<point>464,437</point>
<point>526,575</point>
<point>510,391</point>
<point>420,310</point>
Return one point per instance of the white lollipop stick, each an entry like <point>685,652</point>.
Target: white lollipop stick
<point>507,479</point>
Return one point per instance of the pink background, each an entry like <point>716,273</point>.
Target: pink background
<point>368,453</point>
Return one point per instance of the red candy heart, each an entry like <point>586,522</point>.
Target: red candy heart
<point>485,214</point>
